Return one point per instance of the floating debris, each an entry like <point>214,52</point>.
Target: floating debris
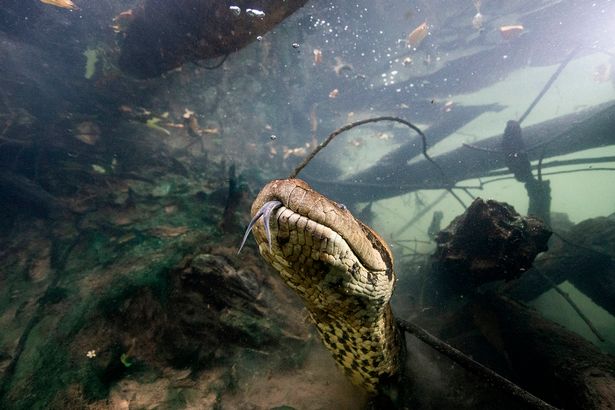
<point>235,10</point>
<point>356,142</point>
<point>255,13</point>
<point>122,21</point>
<point>510,32</point>
<point>170,209</point>
<point>187,114</point>
<point>99,169</point>
<point>91,59</point>
<point>603,73</point>
<point>295,45</point>
<point>91,354</point>
<point>416,37</point>
<point>407,61</point>
<point>334,93</point>
<point>169,231</point>
<point>273,137</point>
<point>87,132</point>
<point>210,130</point>
<point>317,56</point>
<point>126,360</point>
<point>153,124</point>
<point>65,4</point>
<point>299,152</point>
<point>477,21</point>
<point>341,66</point>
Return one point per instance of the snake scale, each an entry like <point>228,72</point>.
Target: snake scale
<point>343,271</point>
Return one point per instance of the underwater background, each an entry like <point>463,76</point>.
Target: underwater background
<point>134,136</point>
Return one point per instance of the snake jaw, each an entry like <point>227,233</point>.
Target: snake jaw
<point>264,212</point>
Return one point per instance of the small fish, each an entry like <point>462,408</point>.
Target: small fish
<point>510,32</point>
<point>65,4</point>
<point>416,37</point>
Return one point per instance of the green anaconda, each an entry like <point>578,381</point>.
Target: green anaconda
<point>342,270</point>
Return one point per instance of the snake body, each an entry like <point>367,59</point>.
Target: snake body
<point>341,269</point>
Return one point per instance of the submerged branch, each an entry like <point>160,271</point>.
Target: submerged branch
<point>549,83</point>
<point>567,134</point>
<point>444,177</point>
<point>473,366</point>
<point>571,303</point>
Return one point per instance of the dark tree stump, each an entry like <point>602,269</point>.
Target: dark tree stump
<point>489,242</point>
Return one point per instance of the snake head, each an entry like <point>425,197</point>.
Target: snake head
<point>341,268</point>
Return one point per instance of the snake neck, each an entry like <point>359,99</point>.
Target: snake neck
<point>368,353</point>
<point>359,332</point>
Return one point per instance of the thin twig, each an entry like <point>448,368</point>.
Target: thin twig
<point>419,215</point>
<point>489,150</point>
<point>541,94</point>
<point>542,157</point>
<point>420,187</point>
<point>549,83</point>
<point>571,303</point>
<point>473,366</point>
<point>569,171</point>
<point>347,127</point>
<point>576,245</point>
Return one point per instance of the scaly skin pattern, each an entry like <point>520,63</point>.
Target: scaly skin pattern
<point>342,270</point>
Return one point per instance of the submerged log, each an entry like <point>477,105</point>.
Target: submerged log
<point>393,176</point>
<point>586,259</point>
<point>166,34</point>
<point>550,361</point>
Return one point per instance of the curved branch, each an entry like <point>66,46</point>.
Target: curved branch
<point>347,127</point>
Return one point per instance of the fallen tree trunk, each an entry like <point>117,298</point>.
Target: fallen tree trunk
<point>164,34</point>
<point>393,176</point>
<point>552,362</point>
